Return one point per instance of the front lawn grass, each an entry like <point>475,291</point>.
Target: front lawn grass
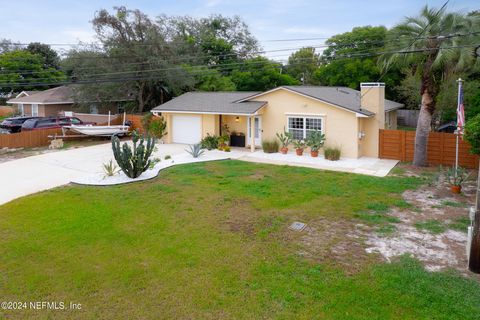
<point>210,241</point>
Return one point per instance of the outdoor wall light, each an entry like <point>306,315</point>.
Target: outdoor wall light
<point>237,119</point>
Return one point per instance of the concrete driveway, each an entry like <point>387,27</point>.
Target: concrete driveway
<point>29,175</point>
<point>25,176</point>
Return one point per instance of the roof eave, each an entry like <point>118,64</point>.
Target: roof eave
<point>156,111</point>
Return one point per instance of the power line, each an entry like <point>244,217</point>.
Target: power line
<point>36,71</point>
<point>324,45</point>
<point>411,44</point>
<point>209,71</point>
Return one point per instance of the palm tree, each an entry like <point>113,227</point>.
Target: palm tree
<point>434,46</point>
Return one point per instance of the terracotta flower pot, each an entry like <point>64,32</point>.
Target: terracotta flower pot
<point>456,189</point>
<point>314,154</point>
<point>299,152</point>
<point>284,150</point>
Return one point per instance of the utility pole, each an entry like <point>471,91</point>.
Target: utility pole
<point>474,257</point>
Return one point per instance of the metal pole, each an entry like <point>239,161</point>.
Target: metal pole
<point>457,132</point>
<point>456,153</point>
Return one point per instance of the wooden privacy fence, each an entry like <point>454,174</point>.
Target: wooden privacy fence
<point>28,139</point>
<point>136,121</point>
<point>38,138</point>
<point>400,144</point>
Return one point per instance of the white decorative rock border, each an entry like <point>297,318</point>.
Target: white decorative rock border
<point>100,179</point>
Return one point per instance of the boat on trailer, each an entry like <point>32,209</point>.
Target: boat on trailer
<point>102,131</point>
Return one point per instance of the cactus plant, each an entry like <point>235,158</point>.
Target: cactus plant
<point>133,162</point>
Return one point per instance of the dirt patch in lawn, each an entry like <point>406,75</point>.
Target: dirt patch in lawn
<point>431,226</point>
<point>241,217</point>
<point>432,229</point>
<point>341,242</point>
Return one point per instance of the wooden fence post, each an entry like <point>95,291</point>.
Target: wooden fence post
<point>380,144</point>
<point>403,148</point>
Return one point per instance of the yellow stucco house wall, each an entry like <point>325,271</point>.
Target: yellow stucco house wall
<point>354,129</point>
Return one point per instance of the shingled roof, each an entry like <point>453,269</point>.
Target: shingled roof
<point>62,94</point>
<point>239,102</point>
<point>58,95</point>
<point>212,102</point>
<point>342,97</point>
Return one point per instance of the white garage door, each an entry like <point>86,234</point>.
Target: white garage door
<point>186,129</point>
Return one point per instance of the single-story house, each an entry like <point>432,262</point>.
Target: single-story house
<point>55,101</point>
<point>350,119</point>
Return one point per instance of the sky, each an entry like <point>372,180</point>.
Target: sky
<point>53,21</point>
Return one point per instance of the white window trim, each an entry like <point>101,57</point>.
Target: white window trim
<point>34,107</point>
<point>321,118</point>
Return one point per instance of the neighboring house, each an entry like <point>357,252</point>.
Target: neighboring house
<point>350,119</point>
<point>57,100</point>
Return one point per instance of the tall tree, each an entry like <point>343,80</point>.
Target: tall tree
<point>350,58</point>
<point>212,41</point>
<point>302,64</point>
<point>159,59</point>
<point>260,74</point>
<point>139,57</point>
<point>49,55</point>
<point>22,70</point>
<point>435,50</point>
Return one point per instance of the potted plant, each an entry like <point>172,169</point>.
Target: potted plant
<point>222,142</point>
<point>285,139</point>
<point>456,177</point>
<point>315,141</point>
<point>299,146</point>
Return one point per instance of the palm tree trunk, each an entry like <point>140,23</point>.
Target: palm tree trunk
<point>423,129</point>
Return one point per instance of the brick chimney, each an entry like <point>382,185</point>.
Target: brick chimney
<point>372,98</point>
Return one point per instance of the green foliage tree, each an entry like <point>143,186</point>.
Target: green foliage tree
<point>472,134</point>
<point>446,108</point>
<point>50,56</point>
<point>435,54</point>
<point>213,41</point>
<point>260,74</point>
<point>302,64</point>
<point>207,79</point>
<point>156,57</point>
<point>20,67</point>
<point>350,59</point>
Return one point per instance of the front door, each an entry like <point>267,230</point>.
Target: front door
<point>258,131</point>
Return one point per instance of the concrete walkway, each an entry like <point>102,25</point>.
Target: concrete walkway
<point>368,166</point>
<point>38,173</point>
<point>29,175</point>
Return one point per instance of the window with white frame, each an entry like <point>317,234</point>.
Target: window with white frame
<point>300,127</point>
<point>20,109</point>
<point>34,110</point>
